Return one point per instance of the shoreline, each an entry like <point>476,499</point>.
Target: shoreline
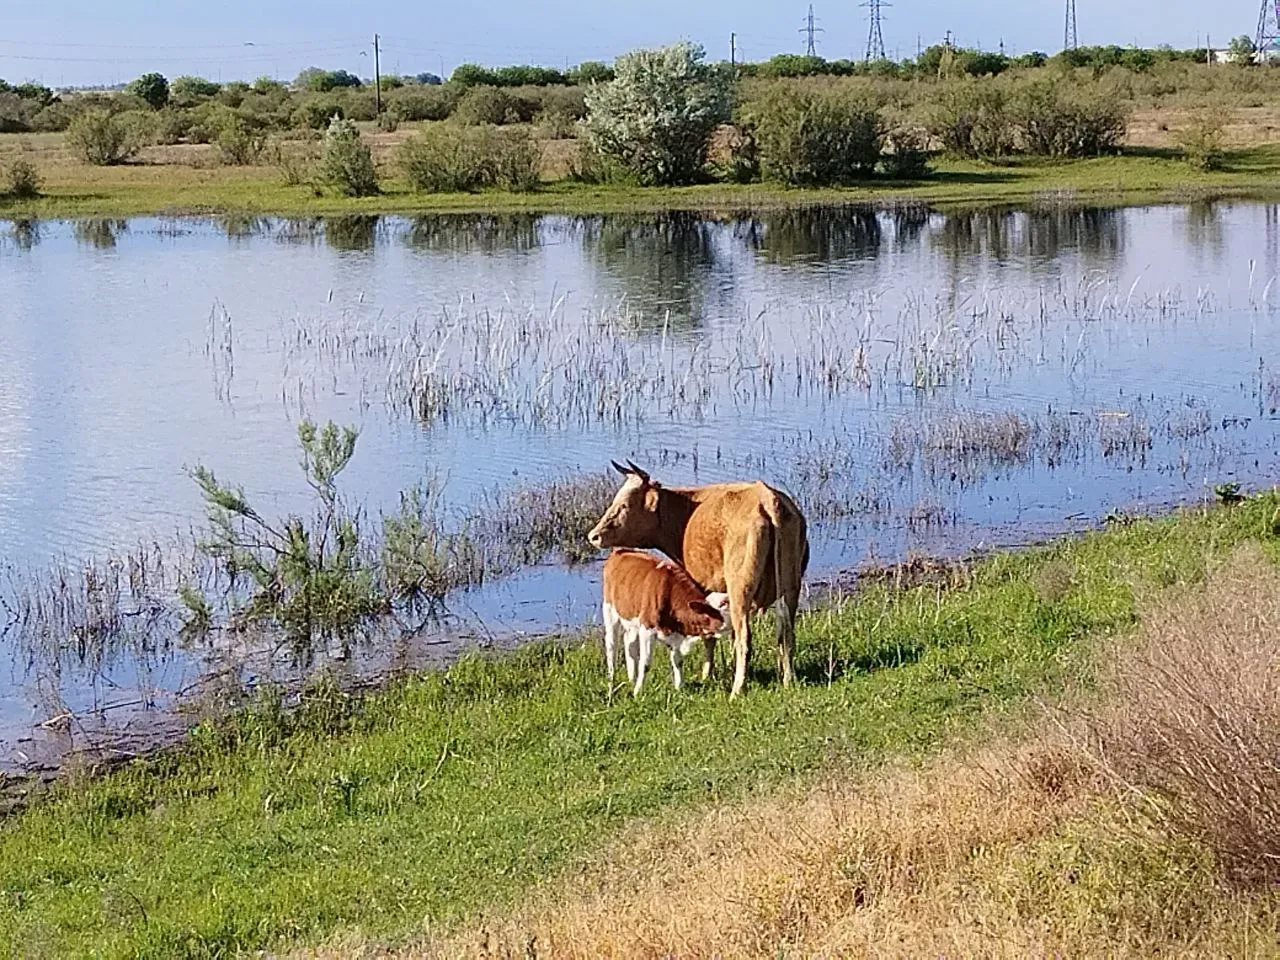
<point>1134,178</point>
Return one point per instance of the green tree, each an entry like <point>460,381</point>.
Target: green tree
<point>152,88</point>
<point>656,117</point>
<point>1241,51</point>
<point>189,90</point>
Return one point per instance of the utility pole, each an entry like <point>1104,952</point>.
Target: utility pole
<point>377,78</point>
<point>733,50</point>
<point>810,30</point>
<point>1070,36</point>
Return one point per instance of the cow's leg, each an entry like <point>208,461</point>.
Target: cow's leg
<point>742,585</point>
<point>709,665</point>
<point>740,616</point>
<point>787,611</point>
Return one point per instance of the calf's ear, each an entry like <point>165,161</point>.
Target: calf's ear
<point>699,606</point>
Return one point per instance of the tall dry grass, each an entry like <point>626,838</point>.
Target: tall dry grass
<point>1194,722</point>
<point>1015,850</point>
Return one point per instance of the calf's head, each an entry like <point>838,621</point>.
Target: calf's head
<point>632,518</point>
<point>709,618</point>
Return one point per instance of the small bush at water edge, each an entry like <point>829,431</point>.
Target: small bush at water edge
<point>446,158</point>
<point>812,138</point>
<point>656,118</point>
<point>347,162</point>
<point>23,180</point>
<point>102,139</point>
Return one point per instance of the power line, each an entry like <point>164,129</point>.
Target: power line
<point>810,30</point>
<point>875,36</point>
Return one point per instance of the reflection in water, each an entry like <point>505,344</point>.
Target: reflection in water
<point>100,234</point>
<point>356,232</point>
<point>243,226</point>
<point>1203,223</point>
<point>663,262</point>
<point>25,233</point>
<point>473,233</point>
<point>1043,234</point>
<point>827,234</point>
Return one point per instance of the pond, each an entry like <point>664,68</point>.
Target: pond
<point>921,381</point>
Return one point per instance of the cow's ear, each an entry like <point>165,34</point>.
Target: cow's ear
<point>651,498</point>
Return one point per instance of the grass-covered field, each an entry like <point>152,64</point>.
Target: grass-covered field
<point>183,180</point>
<point>453,793</point>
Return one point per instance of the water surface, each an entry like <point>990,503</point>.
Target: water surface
<point>921,381</point>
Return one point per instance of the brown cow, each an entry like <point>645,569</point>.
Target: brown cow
<point>650,598</point>
<point>746,539</point>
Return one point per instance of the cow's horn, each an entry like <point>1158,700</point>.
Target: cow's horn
<point>621,469</point>
<point>638,472</point>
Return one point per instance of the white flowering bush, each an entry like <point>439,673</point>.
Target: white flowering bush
<point>656,117</point>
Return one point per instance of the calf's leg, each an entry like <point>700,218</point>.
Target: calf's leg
<point>610,617</point>
<point>642,661</point>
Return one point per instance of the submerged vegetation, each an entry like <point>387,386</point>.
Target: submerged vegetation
<point>507,770</point>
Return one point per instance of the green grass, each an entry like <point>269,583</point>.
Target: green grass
<point>1145,176</point>
<point>455,791</point>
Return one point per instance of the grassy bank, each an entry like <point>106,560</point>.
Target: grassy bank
<point>159,186</point>
<point>455,792</point>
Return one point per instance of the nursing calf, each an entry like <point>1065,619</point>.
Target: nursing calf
<point>648,599</point>
<point>746,539</point>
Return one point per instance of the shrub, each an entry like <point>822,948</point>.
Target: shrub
<point>238,143</point>
<point>347,162</point>
<point>810,137</point>
<point>1058,119</point>
<point>422,102</point>
<point>152,88</point>
<point>23,180</point>
<point>54,118</point>
<point>187,91</point>
<point>973,118</point>
<point>589,165</point>
<point>15,113</point>
<point>443,159</point>
<point>453,159</point>
<point>316,114</point>
<point>735,155</point>
<point>590,71</point>
<point>102,139</point>
<point>908,155</point>
<point>514,160</point>
<point>360,105</point>
<point>173,125</point>
<point>322,81</point>
<point>1202,139</point>
<point>657,116</point>
<point>296,166</point>
<point>310,578</point>
<point>485,104</point>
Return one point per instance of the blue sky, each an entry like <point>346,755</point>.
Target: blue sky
<point>91,41</point>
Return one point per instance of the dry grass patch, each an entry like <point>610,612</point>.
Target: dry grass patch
<point>1145,828</point>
